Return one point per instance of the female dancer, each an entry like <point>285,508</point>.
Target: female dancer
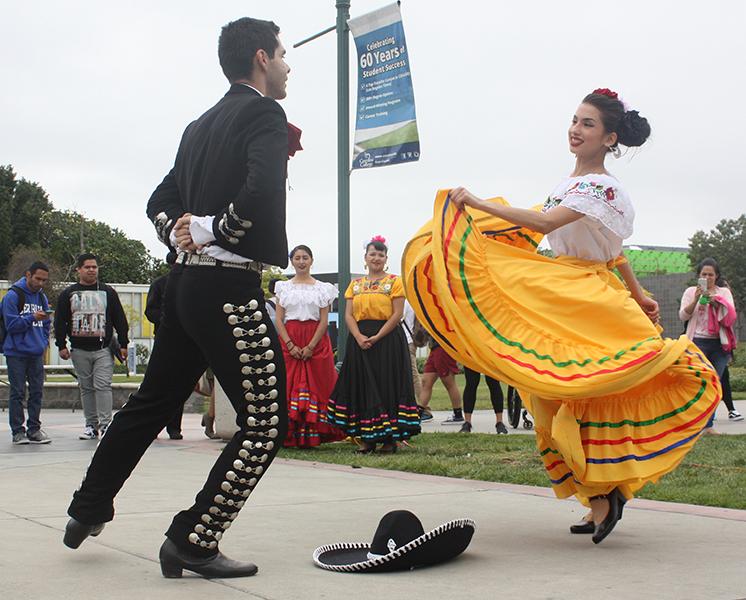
<point>616,405</point>
<point>710,314</point>
<point>374,396</point>
<point>301,319</point>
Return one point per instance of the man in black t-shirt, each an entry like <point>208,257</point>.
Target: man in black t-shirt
<point>88,312</point>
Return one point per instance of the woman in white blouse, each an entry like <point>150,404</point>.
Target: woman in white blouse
<point>616,405</point>
<point>302,317</point>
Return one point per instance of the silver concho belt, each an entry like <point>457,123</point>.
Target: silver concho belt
<point>203,260</point>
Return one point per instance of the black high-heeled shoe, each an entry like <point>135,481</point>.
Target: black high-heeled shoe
<point>583,527</point>
<point>366,448</point>
<point>388,448</point>
<point>605,527</point>
<point>622,501</point>
<point>174,562</point>
<point>588,527</point>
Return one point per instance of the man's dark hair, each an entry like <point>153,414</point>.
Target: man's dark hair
<point>238,43</point>
<point>84,257</point>
<point>36,265</point>
<point>271,285</point>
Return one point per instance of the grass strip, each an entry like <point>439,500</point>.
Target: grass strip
<point>712,474</point>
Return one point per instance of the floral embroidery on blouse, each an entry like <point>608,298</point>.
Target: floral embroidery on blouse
<point>592,190</point>
<point>595,191</point>
<point>380,286</point>
<point>550,203</point>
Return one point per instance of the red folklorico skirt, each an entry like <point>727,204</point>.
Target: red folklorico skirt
<point>309,384</point>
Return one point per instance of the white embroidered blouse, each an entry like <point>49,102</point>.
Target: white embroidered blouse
<point>302,301</point>
<point>608,219</point>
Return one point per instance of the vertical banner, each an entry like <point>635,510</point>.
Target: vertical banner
<point>386,128</point>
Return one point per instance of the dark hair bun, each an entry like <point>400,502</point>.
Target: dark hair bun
<point>633,129</point>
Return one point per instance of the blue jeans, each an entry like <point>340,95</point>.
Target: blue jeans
<point>22,369</point>
<point>713,350</point>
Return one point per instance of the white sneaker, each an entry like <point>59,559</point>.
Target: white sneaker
<point>89,433</point>
<point>453,420</point>
<point>734,415</point>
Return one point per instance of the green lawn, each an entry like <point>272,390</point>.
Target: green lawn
<point>712,474</point>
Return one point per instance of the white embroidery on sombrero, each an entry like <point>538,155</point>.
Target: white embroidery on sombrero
<point>385,558</point>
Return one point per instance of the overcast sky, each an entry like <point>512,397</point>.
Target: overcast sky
<point>96,95</point>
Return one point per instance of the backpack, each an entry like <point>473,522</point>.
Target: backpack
<point>420,336</point>
<point>21,302</point>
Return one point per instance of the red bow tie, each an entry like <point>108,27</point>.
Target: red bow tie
<point>293,139</point>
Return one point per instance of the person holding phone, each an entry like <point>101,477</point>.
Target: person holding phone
<point>710,313</point>
<point>26,311</point>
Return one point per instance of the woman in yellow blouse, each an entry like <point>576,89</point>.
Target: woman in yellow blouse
<point>374,395</point>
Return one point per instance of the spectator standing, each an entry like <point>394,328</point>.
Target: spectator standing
<point>710,312</point>
<point>301,321</point>
<point>470,399</point>
<point>409,321</point>
<point>271,303</point>
<point>88,312</point>
<point>440,365</point>
<point>374,395</point>
<point>154,314</point>
<point>25,312</point>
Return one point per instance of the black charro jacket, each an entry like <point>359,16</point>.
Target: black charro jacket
<point>232,163</point>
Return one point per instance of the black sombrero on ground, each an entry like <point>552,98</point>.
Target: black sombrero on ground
<point>400,543</point>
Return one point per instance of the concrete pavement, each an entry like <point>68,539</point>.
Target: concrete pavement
<point>521,549</point>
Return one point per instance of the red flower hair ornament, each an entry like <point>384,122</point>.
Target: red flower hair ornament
<point>376,238</point>
<point>606,92</point>
<point>611,94</point>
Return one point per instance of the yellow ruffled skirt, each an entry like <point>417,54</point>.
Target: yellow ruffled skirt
<point>614,403</point>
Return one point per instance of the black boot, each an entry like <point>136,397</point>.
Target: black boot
<point>174,561</point>
<point>76,532</point>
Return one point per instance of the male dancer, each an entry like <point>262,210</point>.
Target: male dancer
<point>230,170</point>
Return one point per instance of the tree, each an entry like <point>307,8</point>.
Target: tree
<point>29,221</point>
<point>727,245</point>
<point>268,275</point>
<point>120,258</point>
<point>30,202</point>
<point>21,260</point>
<point>7,189</point>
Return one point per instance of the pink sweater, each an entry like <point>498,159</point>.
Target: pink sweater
<point>723,296</point>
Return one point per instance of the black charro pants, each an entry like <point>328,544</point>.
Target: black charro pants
<point>212,316</point>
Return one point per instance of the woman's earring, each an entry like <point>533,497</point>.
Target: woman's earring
<point>615,151</point>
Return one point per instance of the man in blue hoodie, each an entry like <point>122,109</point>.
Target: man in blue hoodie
<point>27,326</point>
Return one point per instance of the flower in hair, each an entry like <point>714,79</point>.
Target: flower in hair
<point>606,92</point>
<point>378,238</point>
